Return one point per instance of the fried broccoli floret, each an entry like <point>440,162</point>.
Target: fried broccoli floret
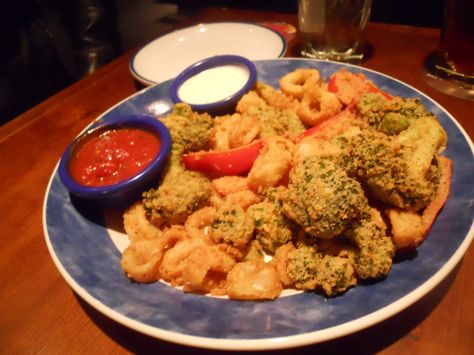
<point>190,131</point>
<point>276,121</point>
<point>390,116</point>
<point>376,249</point>
<point>232,225</point>
<point>254,251</point>
<point>272,227</point>
<point>180,194</point>
<point>311,270</point>
<point>379,161</point>
<point>421,143</point>
<point>322,198</point>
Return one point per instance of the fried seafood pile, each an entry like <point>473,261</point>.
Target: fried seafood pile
<point>344,177</point>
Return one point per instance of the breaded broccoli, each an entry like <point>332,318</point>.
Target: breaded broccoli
<point>390,116</point>
<point>232,225</point>
<point>254,251</point>
<point>180,194</point>
<point>376,249</point>
<point>311,270</point>
<point>190,131</point>
<point>379,161</point>
<point>321,198</point>
<point>272,228</point>
<point>276,121</point>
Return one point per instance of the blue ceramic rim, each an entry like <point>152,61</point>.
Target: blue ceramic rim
<point>209,63</point>
<point>138,121</point>
<point>147,81</point>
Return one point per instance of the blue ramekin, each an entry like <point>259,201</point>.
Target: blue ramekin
<point>227,104</point>
<point>127,191</point>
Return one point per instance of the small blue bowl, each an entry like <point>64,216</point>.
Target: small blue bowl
<point>125,192</point>
<point>236,71</point>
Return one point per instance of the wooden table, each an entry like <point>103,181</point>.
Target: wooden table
<point>39,313</point>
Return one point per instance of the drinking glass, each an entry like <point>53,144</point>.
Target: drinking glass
<point>333,29</point>
<point>451,68</point>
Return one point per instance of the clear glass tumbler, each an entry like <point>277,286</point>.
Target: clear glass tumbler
<point>333,29</point>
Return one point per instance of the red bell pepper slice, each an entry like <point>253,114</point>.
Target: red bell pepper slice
<point>332,86</point>
<point>371,87</point>
<point>231,162</point>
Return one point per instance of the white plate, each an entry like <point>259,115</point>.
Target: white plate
<point>165,57</point>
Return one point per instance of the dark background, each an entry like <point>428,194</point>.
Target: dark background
<point>138,22</point>
<point>425,13</point>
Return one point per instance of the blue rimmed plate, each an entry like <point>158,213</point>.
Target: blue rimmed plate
<point>86,245</point>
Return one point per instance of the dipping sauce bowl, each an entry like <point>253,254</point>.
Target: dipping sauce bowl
<point>215,84</point>
<point>113,162</point>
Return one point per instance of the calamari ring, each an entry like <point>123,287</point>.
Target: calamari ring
<point>142,259</point>
<point>298,81</point>
<point>317,106</point>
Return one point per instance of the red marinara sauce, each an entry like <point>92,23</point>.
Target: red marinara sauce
<point>112,156</point>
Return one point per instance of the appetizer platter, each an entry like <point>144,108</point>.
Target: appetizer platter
<point>282,223</point>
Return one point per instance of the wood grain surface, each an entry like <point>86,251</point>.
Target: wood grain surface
<point>40,314</point>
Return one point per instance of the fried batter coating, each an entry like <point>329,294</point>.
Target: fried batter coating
<point>311,270</point>
<point>273,164</point>
<point>272,227</point>
<point>350,86</point>
<point>280,263</point>
<point>390,116</point>
<point>250,99</point>
<point>254,251</point>
<point>273,119</point>
<point>233,131</point>
<point>174,260</point>
<point>321,198</point>
<point>205,270</point>
<point>253,280</point>
<point>198,225</point>
<point>380,162</point>
<point>276,122</point>
<point>299,81</point>
<point>234,190</point>
<point>231,225</point>
<point>227,185</point>
<point>180,194</point>
<point>407,228</point>
<point>142,259</point>
<point>340,246</point>
<point>189,130</point>
<point>276,98</point>
<point>376,249</point>
<point>137,226</point>
<point>318,105</point>
<point>311,146</point>
<point>421,142</point>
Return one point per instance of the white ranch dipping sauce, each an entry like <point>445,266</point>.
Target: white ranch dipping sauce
<point>214,84</point>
